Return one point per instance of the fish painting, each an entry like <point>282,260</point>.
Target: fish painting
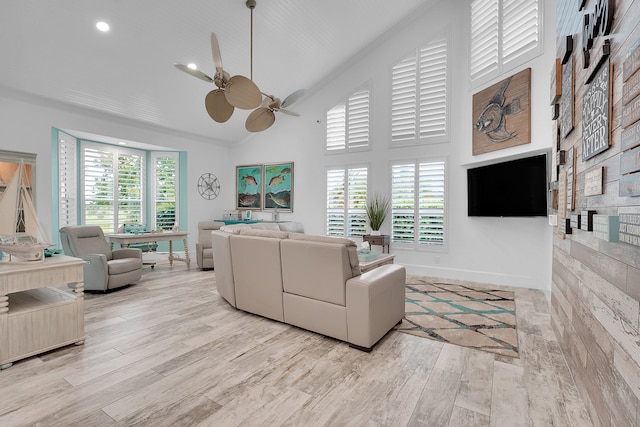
<point>279,201</point>
<point>250,180</point>
<point>492,121</point>
<point>247,200</point>
<point>276,180</point>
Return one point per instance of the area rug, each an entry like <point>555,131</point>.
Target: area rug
<point>465,315</point>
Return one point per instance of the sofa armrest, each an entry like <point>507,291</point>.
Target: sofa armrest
<point>375,304</point>
<point>127,253</point>
<point>95,272</point>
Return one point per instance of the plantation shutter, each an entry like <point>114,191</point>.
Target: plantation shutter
<point>67,193</point>
<point>501,32</point>
<point>403,202</point>
<point>520,28</point>
<point>335,202</point>
<point>357,197</point>
<point>130,185</point>
<point>165,192</point>
<point>403,100</point>
<point>431,203</point>
<point>484,37</point>
<point>419,95</point>
<point>347,201</point>
<point>336,125</point>
<point>433,89</point>
<point>99,180</point>
<point>348,124</point>
<point>358,120</point>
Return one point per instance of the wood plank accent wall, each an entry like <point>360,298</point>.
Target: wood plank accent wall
<point>595,295</point>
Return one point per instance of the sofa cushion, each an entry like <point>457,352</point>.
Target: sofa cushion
<point>292,227</point>
<point>234,228</point>
<point>264,233</point>
<point>265,226</point>
<point>315,270</point>
<point>352,248</point>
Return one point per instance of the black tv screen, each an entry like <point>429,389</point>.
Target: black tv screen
<point>513,188</point>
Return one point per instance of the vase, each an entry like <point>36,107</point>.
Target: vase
<point>375,232</point>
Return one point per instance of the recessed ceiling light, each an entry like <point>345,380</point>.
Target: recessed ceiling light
<point>122,143</point>
<point>102,26</point>
<point>192,66</point>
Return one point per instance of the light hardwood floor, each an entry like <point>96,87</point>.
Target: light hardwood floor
<point>169,351</point>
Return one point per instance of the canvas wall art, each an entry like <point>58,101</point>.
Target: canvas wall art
<point>502,114</point>
<point>278,187</point>
<point>249,187</point>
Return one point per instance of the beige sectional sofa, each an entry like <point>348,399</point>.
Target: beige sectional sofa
<point>312,282</point>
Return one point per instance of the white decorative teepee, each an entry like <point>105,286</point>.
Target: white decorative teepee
<point>21,235</point>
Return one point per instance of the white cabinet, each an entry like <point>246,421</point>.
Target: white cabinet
<point>36,317</point>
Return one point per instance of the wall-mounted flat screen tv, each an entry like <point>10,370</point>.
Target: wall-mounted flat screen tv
<point>513,188</point>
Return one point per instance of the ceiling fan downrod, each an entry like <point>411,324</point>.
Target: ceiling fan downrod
<point>251,4</point>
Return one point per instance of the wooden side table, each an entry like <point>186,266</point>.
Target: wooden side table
<point>380,240</point>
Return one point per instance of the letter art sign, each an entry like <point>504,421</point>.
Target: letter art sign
<point>596,111</point>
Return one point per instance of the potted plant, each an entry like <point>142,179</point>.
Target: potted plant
<point>377,209</point>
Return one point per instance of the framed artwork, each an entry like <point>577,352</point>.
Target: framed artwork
<point>502,114</point>
<point>278,187</point>
<point>248,187</point>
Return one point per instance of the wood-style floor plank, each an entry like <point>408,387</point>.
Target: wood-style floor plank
<point>169,351</point>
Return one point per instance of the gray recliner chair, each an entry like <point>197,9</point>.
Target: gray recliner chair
<point>104,269</point>
<point>204,250</point>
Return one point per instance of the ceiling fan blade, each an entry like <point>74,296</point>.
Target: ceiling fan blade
<point>259,120</point>
<point>215,50</point>
<point>194,73</point>
<point>293,98</point>
<point>242,93</point>
<point>289,112</point>
<point>217,106</point>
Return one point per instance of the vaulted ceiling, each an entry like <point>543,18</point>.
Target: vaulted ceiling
<point>52,49</point>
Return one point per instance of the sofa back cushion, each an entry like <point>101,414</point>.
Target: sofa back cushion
<point>315,269</point>
<point>291,226</point>
<point>257,275</point>
<point>257,232</point>
<point>352,248</point>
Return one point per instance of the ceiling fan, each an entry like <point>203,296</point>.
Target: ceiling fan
<point>232,92</point>
<point>263,117</point>
<point>239,91</point>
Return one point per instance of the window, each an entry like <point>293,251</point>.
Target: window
<point>112,182</point>
<point>347,201</point>
<point>501,32</point>
<point>418,203</point>
<point>348,124</point>
<point>165,190</point>
<point>419,96</point>
<point>67,206</point>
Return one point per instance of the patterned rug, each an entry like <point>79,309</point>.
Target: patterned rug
<point>465,315</point>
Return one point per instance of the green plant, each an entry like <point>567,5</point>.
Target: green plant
<point>377,209</point>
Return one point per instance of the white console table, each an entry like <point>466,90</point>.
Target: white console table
<point>126,239</point>
<point>35,317</point>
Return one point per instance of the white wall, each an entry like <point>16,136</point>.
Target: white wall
<point>506,251</point>
<point>27,124</point>
<point>510,251</point>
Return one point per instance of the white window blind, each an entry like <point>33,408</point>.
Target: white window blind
<point>346,201</point>
<point>502,31</point>
<point>485,33</point>
<point>165,190</point>
<point>113,185</point>
<point>67,193</point>
<point>520,27</point>
<point>130,177</point>
<point>419,96</point>
<point>418,203</point>
<point>348,124</point>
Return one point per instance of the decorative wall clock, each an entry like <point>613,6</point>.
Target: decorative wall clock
<point>208,186</point>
